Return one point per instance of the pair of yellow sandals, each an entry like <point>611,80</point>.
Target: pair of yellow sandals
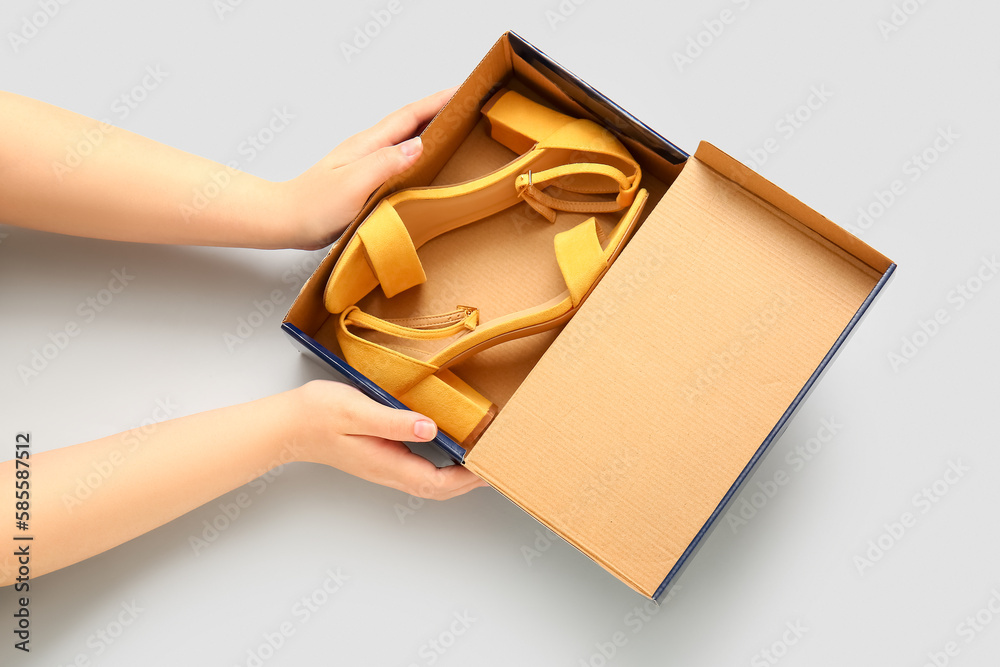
<point>384,252</point>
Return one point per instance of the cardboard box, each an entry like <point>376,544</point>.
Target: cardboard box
<point>629,430</point>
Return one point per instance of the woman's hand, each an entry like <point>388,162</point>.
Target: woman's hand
<point>343,428</point>
<point>325,198</point>
<point>130,188</point>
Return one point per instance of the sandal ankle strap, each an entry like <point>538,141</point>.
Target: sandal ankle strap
<point>529,188</point>
<point>429,327</point>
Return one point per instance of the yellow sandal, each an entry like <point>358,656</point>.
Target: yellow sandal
<point>383,252</point>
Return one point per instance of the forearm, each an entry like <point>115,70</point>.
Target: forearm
<point>136,481</point>
<point>126,187</point>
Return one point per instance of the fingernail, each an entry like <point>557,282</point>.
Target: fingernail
<point>411,147</point>
<point>424,429</point>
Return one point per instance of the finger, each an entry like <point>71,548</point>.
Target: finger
<point>392,129</point>
<point>444,483</point>
<point>474,482</point>
<point>363,176</point>
<point>400,124</point>
<point>399,468</point>
<point>363,416</point>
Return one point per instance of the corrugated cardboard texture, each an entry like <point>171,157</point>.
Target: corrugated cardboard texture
<point>502,264</point>
<point>811,222</point>
<point>639,418</point>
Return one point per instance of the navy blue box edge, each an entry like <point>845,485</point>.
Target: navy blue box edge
<point>614,117</point>
<point>775,433</point>
<point>306,343</point>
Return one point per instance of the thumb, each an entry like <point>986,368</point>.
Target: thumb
<point>361,415</point>
<point>369,172</point>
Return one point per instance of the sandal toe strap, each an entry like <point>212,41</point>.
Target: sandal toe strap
<point>581,258</point>
<point>390,252</point>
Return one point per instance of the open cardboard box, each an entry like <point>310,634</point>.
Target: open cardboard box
<point>628,430</point>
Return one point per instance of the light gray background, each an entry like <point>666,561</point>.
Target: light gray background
<point>792,565</point>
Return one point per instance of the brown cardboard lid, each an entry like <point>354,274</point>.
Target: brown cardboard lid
<point>643,413</point>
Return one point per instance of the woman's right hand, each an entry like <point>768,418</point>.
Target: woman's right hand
<point>339,426</point>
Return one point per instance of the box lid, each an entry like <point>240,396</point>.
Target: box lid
<point>659,396</point>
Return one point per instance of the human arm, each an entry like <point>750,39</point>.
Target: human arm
<point>184,463</point>
<point>131,188</point>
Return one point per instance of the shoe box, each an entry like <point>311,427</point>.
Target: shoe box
<point>629,430</point>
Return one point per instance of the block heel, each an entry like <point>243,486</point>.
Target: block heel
<point>518,123</point>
